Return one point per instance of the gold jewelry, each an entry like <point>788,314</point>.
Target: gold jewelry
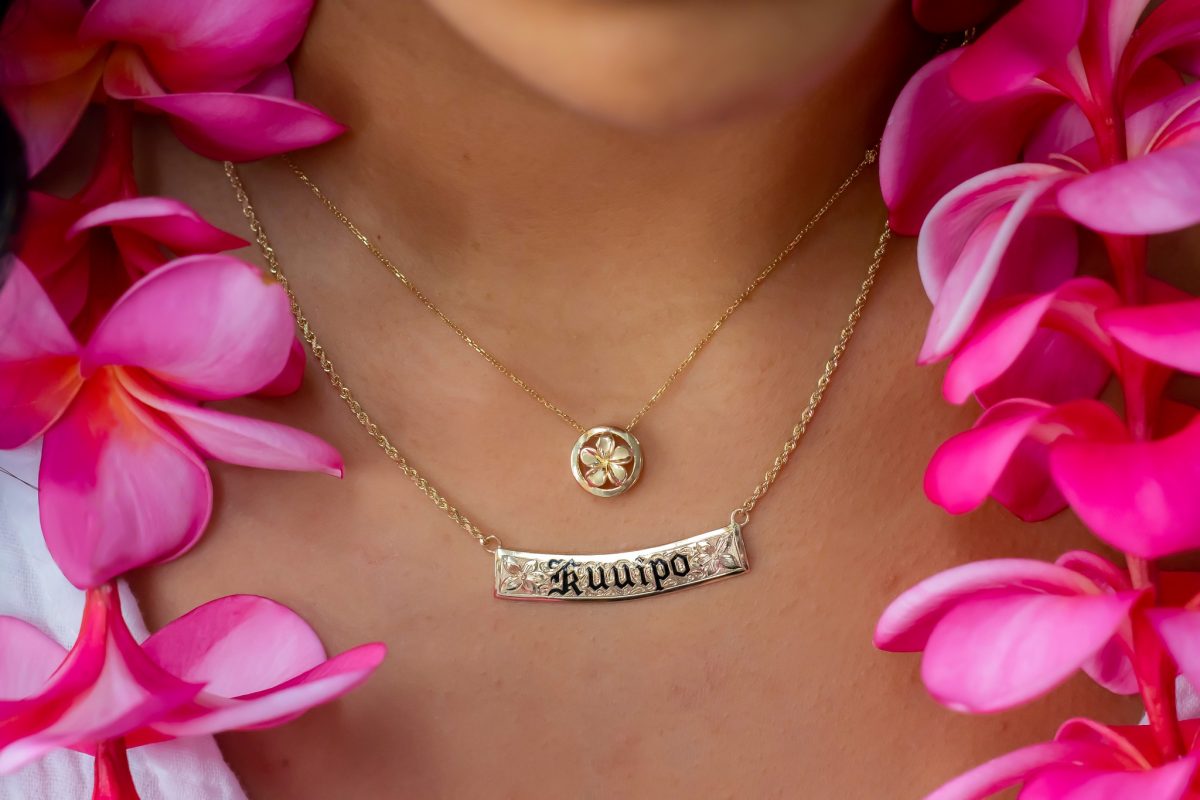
<point>606,460</point>
<point>550,576</point>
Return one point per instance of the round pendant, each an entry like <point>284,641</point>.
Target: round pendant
<point>606,461</point>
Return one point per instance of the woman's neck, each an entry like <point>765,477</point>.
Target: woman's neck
<point>463,166</point>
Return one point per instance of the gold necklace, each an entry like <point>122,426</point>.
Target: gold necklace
<point>606,460</point>
<point>523,575</point>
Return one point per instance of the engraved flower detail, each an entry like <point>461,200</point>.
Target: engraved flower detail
<point>713,555</point>
<point>522,575</point>
<point>606,462</point>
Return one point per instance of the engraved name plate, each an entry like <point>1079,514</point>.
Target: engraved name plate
<point>621,576</point>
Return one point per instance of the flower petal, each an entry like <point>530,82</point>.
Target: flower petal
<point>222,48</point>
<point>1135,743</point>
<point>1000,340</point>
<point>1139,496</point>
<point>38,42</point>
<point>1167,333</point>
<point>31,327</point>
<point>589,457</point>
<point>43,245</point>
<point>275,82</point>
<point>935,140</point>
<point>1112,668</point>
<point>620,454</point>
<point>1169,117</point>
<point>223,125</point>
<point>1099,570</point>
<point>965,468</point>
<point>597,477</point>
<point>1054,367</point>
<point>910,619</point>
<point>1006,453</point>
<point>33,396</point>
<point>236,439</point>
<point>617,473</point>
<point>127,76</point>
<point>105,688</point>
<point>991,653</point>
<point>136,255</point>
<point>974,231</point>
<point>245,127</point>
<point>1013,768</point>
<point>39,364</point>
<point>208,325</point>
<point>1180,632</point>
<point>236,645</point>
<point>290,378</point>
<point>166,221</point>
<point>1062,132</point>
<point>1153,193</point>
<point>324,682</point>
<point>1172,25</point>
<point>118,490</point>
<point>28,658</point>
<point>604,446</point>
<point>1168,782</point>
<point>1035,35</point>
<point>46,114</point>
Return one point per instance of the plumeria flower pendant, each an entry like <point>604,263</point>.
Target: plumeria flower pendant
<point>606,461</point>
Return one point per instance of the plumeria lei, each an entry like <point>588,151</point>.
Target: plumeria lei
<point>1065,123</point>
<point>119,319</point>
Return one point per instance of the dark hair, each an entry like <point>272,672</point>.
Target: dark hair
<point>13,178</point>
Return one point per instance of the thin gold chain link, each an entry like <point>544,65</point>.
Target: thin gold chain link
<point>868,158</point>
<point>491,542</point>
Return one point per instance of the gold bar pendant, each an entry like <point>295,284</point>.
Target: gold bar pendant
<point>621,576</point>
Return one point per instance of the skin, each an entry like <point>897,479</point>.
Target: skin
<point>585,185</point>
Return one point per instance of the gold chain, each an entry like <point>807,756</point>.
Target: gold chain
<point>490,542</point>
<point>814,399</point>
<point>868,159</point>
<point>310,338</point>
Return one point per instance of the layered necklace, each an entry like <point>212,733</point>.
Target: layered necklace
<point>606,460</point>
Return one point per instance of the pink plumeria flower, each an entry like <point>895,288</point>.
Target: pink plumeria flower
<point>1006,456</point>
<point>999,633</point>
<point>218,76</point>
<point>1036,459</point>
<point>1138,495</point>
<point>1013,228</point>
<point>122,477</point>
<point>238,662</point>
<point>1046,67</point>
<point>1086,761</point>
